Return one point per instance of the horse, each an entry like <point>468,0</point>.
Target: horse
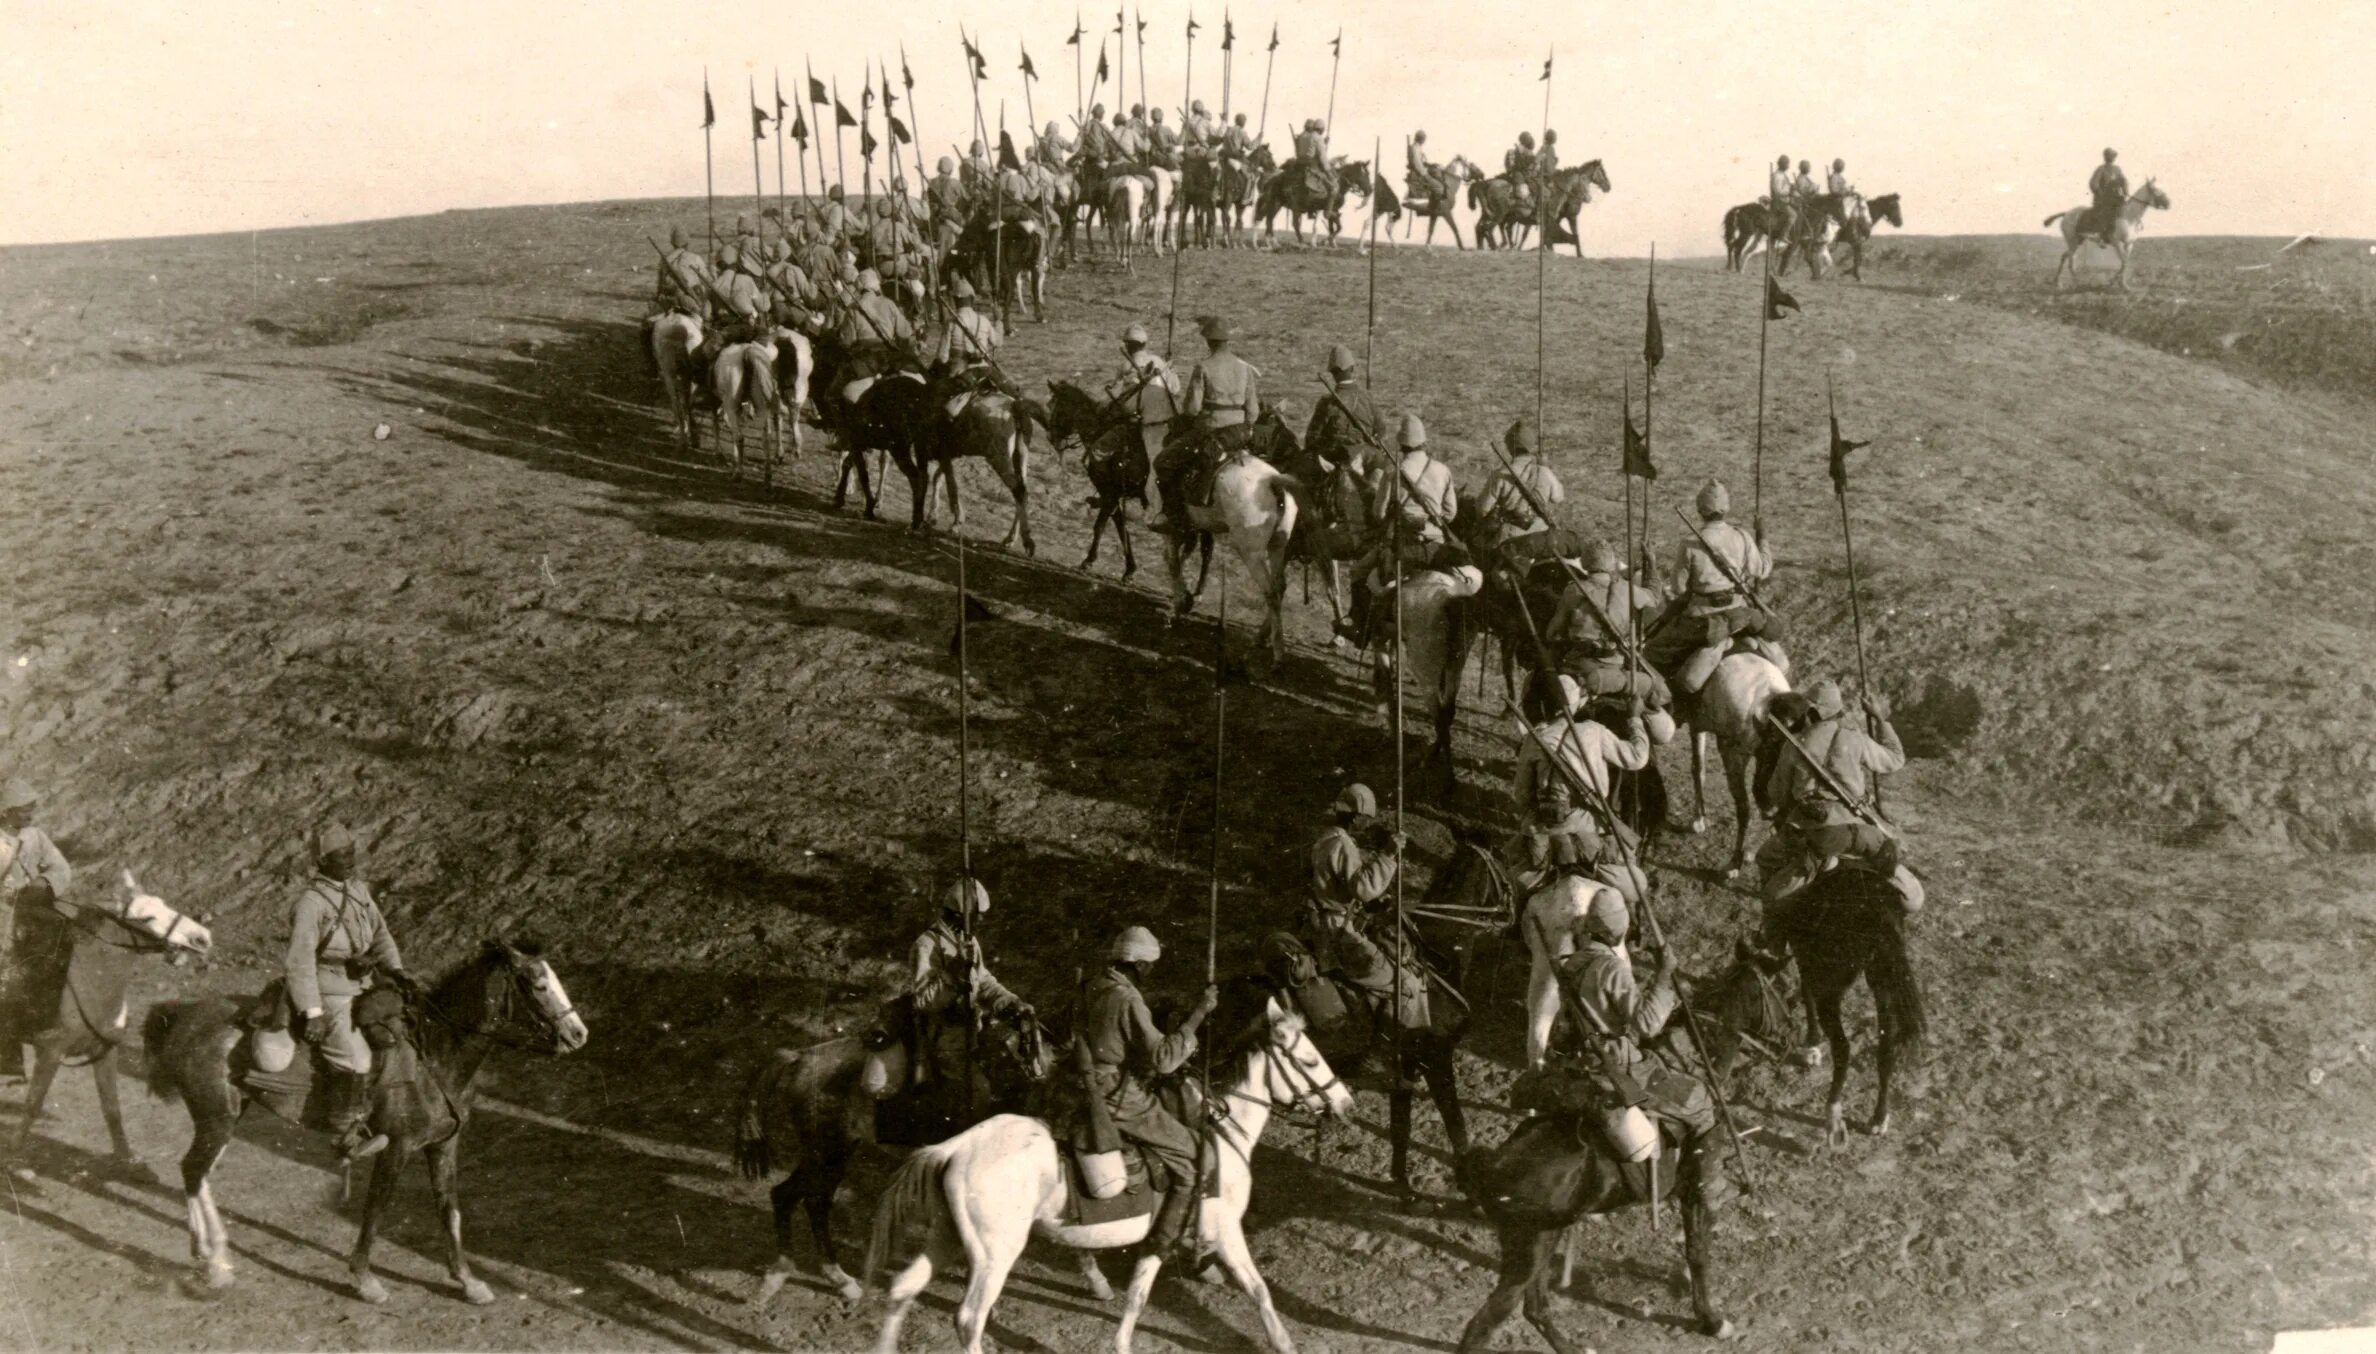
<point>1114,455</point>
<point>1241,188</point>
<point>743,378</point>
<point>986,1192</point>
<point>2125,229</point>
<point>796,361</point>
<point>198,1054</point>
<point>1731,711</point>
<point>1811,231</point>
<point>1861,214</point>
<point>92,1017</point>
<point>1256,507</point>
<point>1126,197</point>
<point>1571,190</point>
<point>1008,264</point>
<point>671,341</point>
<point>810,1111</point>
<point>1196,206</point>
<point>1435,611</point>
<point>993,426</point>
<point>1421,201</point>
<point>1287,189</point>
<point>1548,1174</point>
<point>890,411</point>
<point>1744,233</point>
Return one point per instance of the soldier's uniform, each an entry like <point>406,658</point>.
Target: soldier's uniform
<point>1342,874</point>
<point>1812,825</point>
<point>1421,176</point>
<point>1126,1049</point>
<point>896,249</point>
<point>1163,144</point>
<point>1699,625</point>
<point>1311,152</point>
<point>1345,426</point>
<point>1224,399</point>
<point>36,934</point>
<point>949,983</point>
<point>338,943</point>
<point>1156,401</point>
<point>1779,206</point>
<point>944,202</point>
<point>971,339</point>
<point>684,279</point>
<point>1506,505</point>
<point>1586,651</point>
<point>2107,191</point>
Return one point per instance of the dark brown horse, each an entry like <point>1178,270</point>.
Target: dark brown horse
<point>505,996</point>
<point>92,1018</point>
<point>1287,190</point>
<point>1863,214</point>
<point>1006,265</point>
<point>1113,454</point>
<point>1551,1172</point>
<point>1851,924</point>
<point>1501,219</point>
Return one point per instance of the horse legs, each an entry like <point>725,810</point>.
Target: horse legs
<point>1094,1276</point>
<point>1105,510</point>
<point>46,1057</point>
<point>1736,779</point>
<point>1122,533</point>
<point>1134,1302</point>
<point>1699,1221</point>
<point>902,1294</point>
<point>375,1201</point>
<point>1525,1257</point>
<point>1204,563</point>
<point>1824,990</point>
<point>111,1108</point>
<point>1239,1261</point>
<point>1699,781</point>
<point>987,1277</point>
<point>445,1168</point>
<point>211,1120</point>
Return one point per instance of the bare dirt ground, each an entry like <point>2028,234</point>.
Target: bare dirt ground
<point>702,738</point>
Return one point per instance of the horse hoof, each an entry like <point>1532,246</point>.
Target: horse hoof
<point>1719,1328</point>
<point>371,1290</point>
<point>1878,1127</point>
<point>476,1293</point>
<point>850,1290</point>
<point>1732,872</point>
<point>207,1286</point>
<point>1698,826</point>
<point>1810,1056</point>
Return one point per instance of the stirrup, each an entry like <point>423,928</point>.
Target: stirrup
<point>362,1150</point>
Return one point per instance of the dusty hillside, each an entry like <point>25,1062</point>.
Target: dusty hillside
<point>704,738</point>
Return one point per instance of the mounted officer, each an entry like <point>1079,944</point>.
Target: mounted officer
<point>944,204</point>
<point>339,948</point>
<point>36,943</point>
<point>1779,203</point>
<point>1149,388</point>
<point>894,247</point>
<point>1311,160</point>
<point>1126,1050</point>
<point>1412,522</point>
<point>1223,399</point>
<point>969,343</point>
<point>1345,426</point>
<point>1617,1017</point>
<point>1585,649</point>
<point>950,988</point>
<point>1701,624</point>
<point>978,169</point>
<point>1814,828</point>
<point>1836,182</point>
<point>2107,193</point>
<point>1344,873</point>
<point>1508,511</point>
<point>1055,149</point>
<point>1422,177</point>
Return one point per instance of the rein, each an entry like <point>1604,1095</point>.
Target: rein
<point>429,1007</point>
<point>1311,1088</point>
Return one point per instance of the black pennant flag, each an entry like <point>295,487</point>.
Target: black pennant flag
<point>1101,61</point>
<point>1546,68</point>
<point>1637,450</point>
<point>1007,159</point>
<point>866,143</point>
<point>907,78</point>
<point>1028,73</point>
<point>1778,300</point>
<point>758,124</point>
<point>1228,32</point>
<point>1336,45</point>
<point>841,115</point>
<point>981,68</point>
<point>709,111</point>
<point>1193,25</point>
<point>1075,39</point>
<point>1274,37</point>
<point>799,130</point>
<point>1840,447</point>
<point>899,131</point>
<point>1653,333</point>
<point>780,104</point>
<point>817,94</point>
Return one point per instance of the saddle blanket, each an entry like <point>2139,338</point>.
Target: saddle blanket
<point>1136,1200</point>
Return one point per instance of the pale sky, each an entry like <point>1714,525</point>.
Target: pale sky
<point>133,118</point>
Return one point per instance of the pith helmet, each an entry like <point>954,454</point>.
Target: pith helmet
<point>676,237</point>
<point>1197,106</point>
<point>1600,557</point>
<point>1357,798</point>
<point>1137,334</point>
<point>1605,917</point>
<point>1340,360</point>
<point>1825,697</point>
<point>1215,329</point>
<point>334,840</point>
<point>962,290</point>
<point>955,897</point>
<point>1136,944</point>
<point>869,280</point>
<point>1413,434</point>
<point>1713,499</point>
<point>1519,440</point>
<point>947,165</point>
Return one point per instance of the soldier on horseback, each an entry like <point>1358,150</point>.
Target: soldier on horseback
<point>1345,425</point>
<point>1698,628</point>
<point>1824,819</point>
<point>1509,512</point>
<point>1618,1017</point>
<point>36,942</point>
<point>1778,201</point>
<point>950,988</point>
<point>1054,148</point>
<point>969,343</point>
<point>1585,649</point>
<point>1224,401</point>
<point>2107,192</point>
<point>1518,168</point>
<point>1311,161</point>
<point>1345,875</point>
<point>339,948</point>
<point>1163,144</point>
<point>944,203</point>
<point>1413,523</point>
<point>684,278</point>
<point>978,169</point>
<point>1126,1051</point>
<point>1150,386</point>
<point>1423,179</point>
<point>1836,182</point>
<point>893,246</point>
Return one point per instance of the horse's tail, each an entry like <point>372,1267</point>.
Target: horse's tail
<point>2054,218</point>
<point>908,1201</point>
<point>156,1030</point>
<point>759,378</point>
<point>1897,996</point>
<point>753,1155</point>
<point>650,346</point>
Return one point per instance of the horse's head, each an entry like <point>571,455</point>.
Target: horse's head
<point>1072,411</point>
<point>511,984</point>
<point>148,915</point>
<point>1273,438</point>
<point>1596,174</point>
<point>1281,1064</point>
<point>1885,208</point>
<point>2152,195</point>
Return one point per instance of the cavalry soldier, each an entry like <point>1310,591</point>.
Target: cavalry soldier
<point>1778,200</point>
<point>836,220</point>
<point>1560,894</point>
<point>339,947</point>
<point>1700,625</point>
<point>1617,1017</point>
<point>978,169</point>
<point>1125,1051</point>
<point>1518,166</point>
<point>1150,387</point>
<point>1224,399</point>
<point>1422,177</point>
<point>970,341</point>
<point>949,985</point>
<point>875,332</point>
<point>1128,145</point>
<point>944,203</point>
<point>1413,522</point>
<point>1836,182</point>
<point>742,301</point>
<point>1018,196</point>
<point>795,293</point>
<point>893,244</point>
<point>1237,144</point>
<point>1802,191</point>
<point>2107,192</point>
<point>1507,508</point>
<point>1345,426</point>
<point>1546,165</point>
<point>1813,827</point>
<point>1343,874</point>
<point>1198,127</point>
<point>1097,142</point>
<point>1054,148</point>
<point>1137,123</point>
<point>1311,157</point>
<point>1163,144</point>
<point>35,942</point>
<point>1585,650</point>
<point>1584,745</point>
<point>1527,857</point>
<point>684,278</point>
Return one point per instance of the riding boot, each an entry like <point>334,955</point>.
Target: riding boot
<point>347,1114</point>
<point>1703,1170</point>
<point>1168,1235</point>
<point>1398,1136</point>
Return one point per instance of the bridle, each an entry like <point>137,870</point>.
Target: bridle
<point>1308,1089</point>
<point>494,1032</point>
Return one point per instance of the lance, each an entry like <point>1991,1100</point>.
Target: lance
<point>1122,63</point>
<point>841,176</point>
<point>783,220</point>
<point>1369,326</point>
<point>998,223</point>
<point>1650,360</point>
<point>1864,683</point>
<point>1228,60</point>
<point>1031,129</point>
<point>1188,80</point>
<point>915,120</point>
<point>1270,64</point>
<point>973,76</point>
<point>709,167</point>
<point>964,805</point>
<point>1096,83</point>
<point>1542,266</point>
<point>1624,431</point>
<point>808,68</point>
<point>1171,318</point>
<point>865,135</point>
<point>1765,308</point>
<point>1080,100</point>
<point>758,134</point>
<point>1142,46</point>
<point>1336,57</point>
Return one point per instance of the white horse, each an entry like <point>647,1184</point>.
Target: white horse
<point>1158,205</point>
<point>1731,709</point>
<point>795,362</point>
<point>1126,201</point>
<point>670,340</point>
<point>1253,505</point>
<point>2125,229</point>
<point>743,377</point>
<point>986,1192</point>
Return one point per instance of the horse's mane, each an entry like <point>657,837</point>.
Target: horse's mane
<point>457,995</point>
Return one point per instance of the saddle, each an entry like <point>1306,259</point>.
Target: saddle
<point>1068,1120</point>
